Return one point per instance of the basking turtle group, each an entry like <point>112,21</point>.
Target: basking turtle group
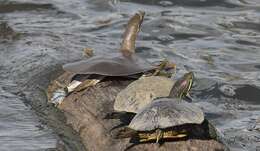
<point>156,102</point>
<point>157,117</point>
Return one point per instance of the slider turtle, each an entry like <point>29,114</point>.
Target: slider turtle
<point>162,119</point>
<point>142,91</point>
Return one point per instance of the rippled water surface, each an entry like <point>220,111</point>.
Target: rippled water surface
<point>219,40</point>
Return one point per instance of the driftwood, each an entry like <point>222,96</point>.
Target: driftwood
<point>85,112</point>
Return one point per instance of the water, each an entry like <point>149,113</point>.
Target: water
<point>218,40</point>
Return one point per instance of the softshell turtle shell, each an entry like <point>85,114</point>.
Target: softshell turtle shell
<point>141,92</point>
<point>166,112</point>
<point>123,63</point>
<point>110,65</point>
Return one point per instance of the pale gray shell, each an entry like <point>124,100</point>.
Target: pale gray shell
<point>141,92</point>
<point>166,112</point>
<point>110,65</point>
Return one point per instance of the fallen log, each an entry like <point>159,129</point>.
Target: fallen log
<point>85,112</point>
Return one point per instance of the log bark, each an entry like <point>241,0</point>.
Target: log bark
<point>85,112</point>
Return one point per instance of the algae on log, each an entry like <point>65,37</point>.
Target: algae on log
<point>85,112</point>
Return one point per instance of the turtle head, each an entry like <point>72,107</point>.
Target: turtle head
<point>130,34</point>
<point>182,86</point>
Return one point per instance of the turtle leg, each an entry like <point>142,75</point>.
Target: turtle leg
<point>144,140</point>
<point>170,65</point>
<point>87,83</point>
<point>159,135</point>
<point>160,67</point>
<point>165,64</point>
<point>175,134</point>
<point>145,137</point>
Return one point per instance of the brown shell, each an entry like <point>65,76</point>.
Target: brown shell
<point>110,65</point>
<point>141,92</point>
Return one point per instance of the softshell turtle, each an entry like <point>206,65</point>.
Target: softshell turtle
<point>144,90</point>
<point>110,65</point>
<point>122,63</point>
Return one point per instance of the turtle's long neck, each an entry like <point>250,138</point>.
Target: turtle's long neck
<point>130,34</point>
<point>182,86</point>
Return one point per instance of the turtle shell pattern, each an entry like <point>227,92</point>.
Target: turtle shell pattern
<point>141,92</point>
<point>165,113</point>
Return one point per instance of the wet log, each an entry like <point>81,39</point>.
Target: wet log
<point>85,112</point>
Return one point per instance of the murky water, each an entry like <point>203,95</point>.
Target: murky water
<point>218,40</point>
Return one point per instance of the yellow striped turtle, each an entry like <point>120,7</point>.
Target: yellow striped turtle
<point>157,120</point>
